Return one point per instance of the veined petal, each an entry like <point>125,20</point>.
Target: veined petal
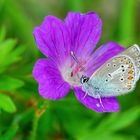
<point>101,55</point>
<point>53,39</point>
<point>51,84</point>
<point>109,104</point>
<point>85,31</point>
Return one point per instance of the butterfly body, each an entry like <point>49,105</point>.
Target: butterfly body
<point>96,88</point>
<point>116,77</point>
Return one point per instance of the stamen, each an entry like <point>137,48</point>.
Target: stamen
<point>71,74</point>
<point>77,61</point>
<point>74,57</point>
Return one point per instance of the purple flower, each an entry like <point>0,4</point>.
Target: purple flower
<point>57,40</point>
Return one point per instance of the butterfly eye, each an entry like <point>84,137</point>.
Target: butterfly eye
<point>84,79</point>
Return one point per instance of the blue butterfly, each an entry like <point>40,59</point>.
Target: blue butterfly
<point>116,77</point>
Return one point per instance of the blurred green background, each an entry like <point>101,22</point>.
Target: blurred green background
<point>24,115</point>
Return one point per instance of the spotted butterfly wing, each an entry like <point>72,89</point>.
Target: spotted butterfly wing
<point>117,76</point>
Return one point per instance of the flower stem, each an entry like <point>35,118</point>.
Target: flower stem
<point>34,128</point>
<point>38,113</point>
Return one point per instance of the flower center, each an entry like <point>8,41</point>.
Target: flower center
<point>72,73</point>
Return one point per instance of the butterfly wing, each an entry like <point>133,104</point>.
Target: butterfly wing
<point>118,75</point>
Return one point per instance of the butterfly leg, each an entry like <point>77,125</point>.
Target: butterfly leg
<point>85,95</point>
<point>100,100</point>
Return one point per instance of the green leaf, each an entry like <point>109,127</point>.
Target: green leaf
<point>5,48</point>
<point>107,137</point>
<point>9,135</point>
<point>9,83</point>
<point>118,121</point>
<point>2,33</point>
<point>125,119</point>
<point>21,23</point>
<point>9,54</point>
<point>7,104</point>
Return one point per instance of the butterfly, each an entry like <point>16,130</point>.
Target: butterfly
<point>115,77</point>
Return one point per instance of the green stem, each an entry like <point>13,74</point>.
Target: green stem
<point>127,21</point>
<point>34,127</point>
<point>39,111</point>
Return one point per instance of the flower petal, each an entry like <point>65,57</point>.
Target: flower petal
<point>85,31</point>
<point>53,39</point>
<point>51,84</point>
<point>101,55</point>
<point>109,104</point>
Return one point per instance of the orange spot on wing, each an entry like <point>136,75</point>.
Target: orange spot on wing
<point>129,86</point>
<point>130,66</point>
<point>130,72</point>
<point>130,77</point>
<point>123,59</point>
